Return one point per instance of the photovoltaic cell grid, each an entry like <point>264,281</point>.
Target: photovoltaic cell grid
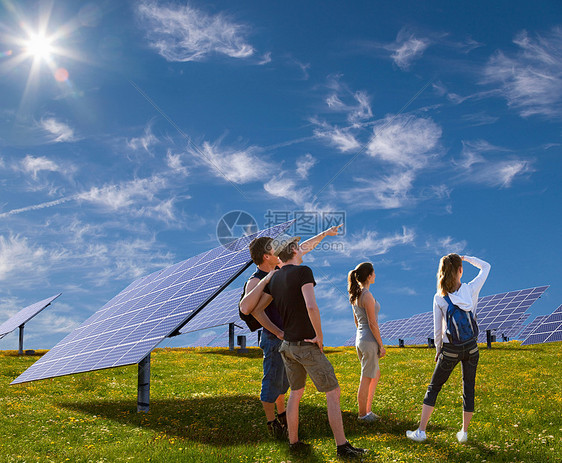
<point>350,342</point>
<point>137,319</point>
<point>550,330</point>
<point>500,311</point>
<point>204,340</point>
<point>222,310</point>
<point>530,328</point>
<point>24,315</point>
<point>390,329</point>
<point>516,328</point>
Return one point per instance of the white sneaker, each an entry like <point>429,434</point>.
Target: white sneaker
<point>462,436</point>
<point>418,435</point>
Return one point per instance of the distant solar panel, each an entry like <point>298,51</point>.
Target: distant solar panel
<point>501,311</point>
<point>220,311</point>
<point>530,328</point>
<point>222,340</point>
<point>550,330</point>
<point>126,329</point>
<point>391,328</point>
<point>350,342</point>
<point>24,315</point>
<point>512,332</point>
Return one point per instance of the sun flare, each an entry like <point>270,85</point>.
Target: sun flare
<point>39,47</point>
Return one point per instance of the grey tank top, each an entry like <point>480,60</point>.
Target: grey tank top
<point>364,333</point>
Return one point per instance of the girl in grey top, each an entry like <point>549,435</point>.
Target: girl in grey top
<point>368,340</point>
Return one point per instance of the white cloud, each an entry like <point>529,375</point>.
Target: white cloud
<point>182,33</point>
<point>369,243</point>
<point>405,141</point>
<point>407,48</point>
<point>58,131</point>
<point>446,245</point>
<point>284,187</point>
<point>174,162</point>
<point>531,79</point>
<point>385,192</point>
<point>304,164</point>
<point>237,166</point>
<point>146,141</point>
<point>477,166</point>
<point>33,165</point>
<point>18,256</point>
<point>342,139</point>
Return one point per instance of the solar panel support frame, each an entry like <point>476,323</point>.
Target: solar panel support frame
<point>231,336</point>
<point>143,393</point>
<point>20,352</point>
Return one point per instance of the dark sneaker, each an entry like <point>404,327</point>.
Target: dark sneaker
<point>282,418</point>
<point>348,451</point>
<point>277,430</point>
<point>300,448</point>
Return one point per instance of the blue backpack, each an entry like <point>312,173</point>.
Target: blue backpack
<point>461,325</point>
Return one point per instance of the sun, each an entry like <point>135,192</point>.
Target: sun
<point>39,47</point>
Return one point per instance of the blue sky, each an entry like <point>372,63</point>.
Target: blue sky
<point>128,129</point>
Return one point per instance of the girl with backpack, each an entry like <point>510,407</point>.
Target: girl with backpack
<point>455,335</point>
<point>368,341</point>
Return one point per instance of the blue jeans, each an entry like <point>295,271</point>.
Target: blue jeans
<point>451,355</point>
<point>274,381</point>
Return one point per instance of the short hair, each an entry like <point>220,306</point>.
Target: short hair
<point>259,247</point>
<point>287,252</point>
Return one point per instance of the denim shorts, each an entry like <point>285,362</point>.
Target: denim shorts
<point>274,381</point>
<point>304,359</point>
<point>448,358</point>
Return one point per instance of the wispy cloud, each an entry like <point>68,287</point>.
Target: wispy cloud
<point>341,138</point>
<point>407,48</point>
<point>33,165</point>
<point>145,141</point>
<point>531,78</point>
<point>174,162</point>
<point>18,255</point>
<point>236,166</point>
<point>304,164</point>
<point>369,243</point>
<point>478,167</point>
<point>446,245</point>
<point>406,140</point>
<point>183,33</point>
<point>283,186</point>
<point>58,131</point>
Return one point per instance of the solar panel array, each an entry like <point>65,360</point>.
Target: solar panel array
<point>204,340</point>
<point>222,340</point>
<point>530,328</point>
<point>503,313</point>
<point>24,315</point>
<point>500,312</point>
<point>220,311</point>
<point>137,319</point>
<point>550,330</point>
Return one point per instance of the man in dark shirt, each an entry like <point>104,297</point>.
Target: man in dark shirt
<point>274,381</point>
<point>292,288</point>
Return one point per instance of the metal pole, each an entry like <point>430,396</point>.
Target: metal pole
<point>21,339</point>
<point>489,338</point>
<point>231,336</point>
<point>143,397</point>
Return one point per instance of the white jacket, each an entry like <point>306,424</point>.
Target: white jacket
<point>466,297</point>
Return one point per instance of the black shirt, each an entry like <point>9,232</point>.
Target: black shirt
<point>271,310</point>
<point>285,287</point>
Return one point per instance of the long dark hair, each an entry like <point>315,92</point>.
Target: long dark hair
<point>356,276</point>
<point>447,274</point>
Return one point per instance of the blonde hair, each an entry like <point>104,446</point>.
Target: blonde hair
<point>447,274</point>
<point>356,276</point>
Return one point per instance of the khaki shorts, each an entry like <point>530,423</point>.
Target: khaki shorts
<point>304,359</point>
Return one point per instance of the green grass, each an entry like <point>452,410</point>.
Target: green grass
<point>205,407</point>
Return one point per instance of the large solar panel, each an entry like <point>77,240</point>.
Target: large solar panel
<point>24,315</point>
<point>530,328</point>
<point>550,330</point>
<point>220,311</point>
<point>150,309</point>
<point>500,312</point>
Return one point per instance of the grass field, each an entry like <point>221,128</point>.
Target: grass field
<point>205,408</point>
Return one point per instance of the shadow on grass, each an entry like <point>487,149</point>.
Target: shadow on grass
<point>34,355</point>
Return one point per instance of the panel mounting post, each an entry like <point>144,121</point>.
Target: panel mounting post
<point>231,336</point>
<point>143,397</point>
<point>21,339</point>
<point>489,338</point>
